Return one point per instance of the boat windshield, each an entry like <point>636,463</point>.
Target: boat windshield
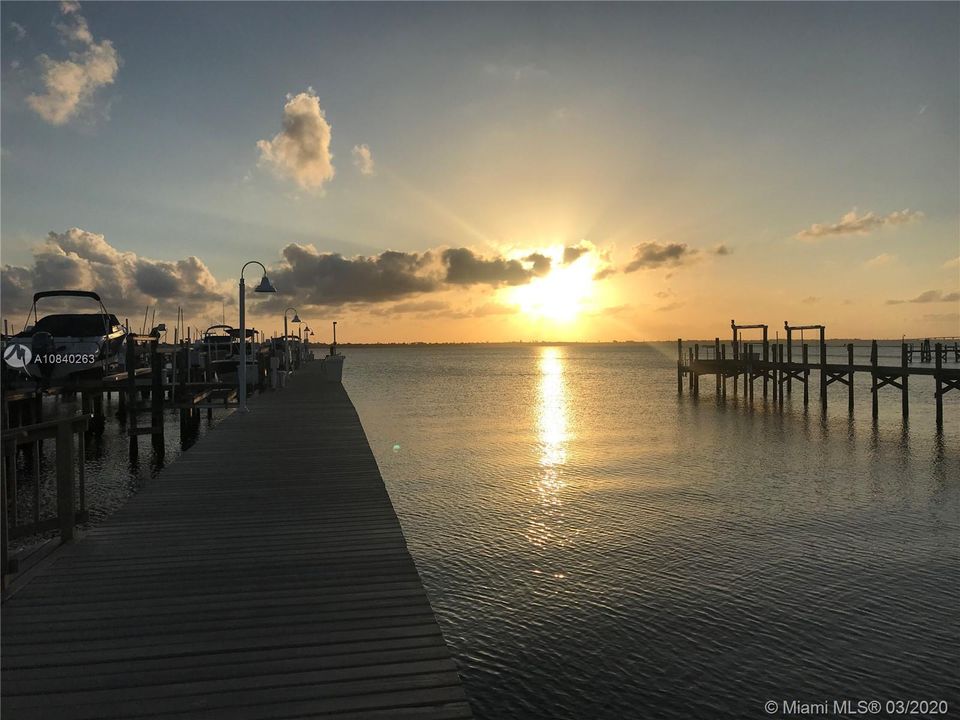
<point>76,325</point>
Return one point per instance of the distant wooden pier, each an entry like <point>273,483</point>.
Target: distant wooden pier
<point>774,365</point>
<point>264,574</point>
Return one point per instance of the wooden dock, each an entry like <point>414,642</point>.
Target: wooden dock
<point>264,574</point>
<point>767,362</point>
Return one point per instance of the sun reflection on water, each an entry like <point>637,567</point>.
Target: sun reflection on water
<point>546,523</point>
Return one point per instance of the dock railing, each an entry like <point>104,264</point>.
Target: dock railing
<point>70,495</point>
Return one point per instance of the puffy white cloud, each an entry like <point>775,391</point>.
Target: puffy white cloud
<point>80,260</point>
<point>301,151</point>
<point>853,224</point>
<point>19,31</point>
<point>69,85</point>
<point>363,159</point>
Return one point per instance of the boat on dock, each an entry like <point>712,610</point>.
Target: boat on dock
<point>67,344</point>
<point>219,350</point>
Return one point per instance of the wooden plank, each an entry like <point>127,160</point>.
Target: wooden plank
<point>264,574</point>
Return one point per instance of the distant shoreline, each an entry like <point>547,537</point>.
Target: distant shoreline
<point>524,343</point>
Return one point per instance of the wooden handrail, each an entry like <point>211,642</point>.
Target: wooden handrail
<point>63,429</point>
<point>45,429</point>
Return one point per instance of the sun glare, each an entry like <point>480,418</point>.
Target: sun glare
<point>560,295</point>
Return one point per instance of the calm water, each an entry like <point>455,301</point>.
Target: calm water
<point>112,473</point>
<point>595,547</point>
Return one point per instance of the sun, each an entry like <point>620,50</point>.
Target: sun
<point>562,294</point>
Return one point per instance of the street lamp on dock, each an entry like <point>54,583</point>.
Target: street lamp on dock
<point>265,286</point>
<point>286,337</point>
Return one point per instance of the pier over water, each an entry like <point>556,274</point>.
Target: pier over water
<point>264,574</point>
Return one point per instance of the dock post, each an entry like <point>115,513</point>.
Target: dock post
<point>752,374</point>
<point>65,461</point>
<point>99,420</point>
<point>938,394</point>
<point>745,360</point>
<point>789,356</point>
<point>696,376</point>
<point>766,359</point>
<point>775,372</point>
<point>131,381</point>
<point>156,393</point>
<point>679,366</point>
<point>904,397</point>
<point>723,381</point>
<point>690,369</point>
<point>806,375</point>
<point>873,385</point>
<point>850,377</point>
<point>823,369</point>
<point>716,358</point>
<point>782,383</point>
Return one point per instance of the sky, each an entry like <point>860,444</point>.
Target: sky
<point>488,172</point>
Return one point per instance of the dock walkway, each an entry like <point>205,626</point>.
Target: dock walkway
<point>264,574</point>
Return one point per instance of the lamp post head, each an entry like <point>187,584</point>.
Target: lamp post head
<point>296,318</point>
<point>265,285</point>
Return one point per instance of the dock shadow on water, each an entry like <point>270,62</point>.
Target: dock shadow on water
<point>116,466</point>
<point>595,546</point>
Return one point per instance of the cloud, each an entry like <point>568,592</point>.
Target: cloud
<point>952,263</point>
<point>810,300</point>
<point>670,306</point>
<point>331,279</point>
<point>605,273</point>
<point>80,260</point>
<point>853,224</point>
<point>19,31</point>
<point>572,253</point>
<point>541,263</point>
<point>419,306</point>
<point>301,151</point>
<point>69,85</point>
<point>363,159</point>
<point>722,249</point>
<point>930,296</point>
<point>651,255</point>
<point>880,260</point>
<point>464,267</point>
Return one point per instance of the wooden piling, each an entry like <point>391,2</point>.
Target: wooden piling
<point>723,381</point>
<point>850,377</point>
<point>766,359</point>
<point>938,393</point>
<point>696,376</point>
<point>716,355</point>
<point>65,461</point>
<point>679,366</point>
<point>904,396</point>
<point>823,370</point>
<point>806,375</point>
<point>874,359</point>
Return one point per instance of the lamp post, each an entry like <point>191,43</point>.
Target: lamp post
<point>265,286</point>
<point>286,337</point>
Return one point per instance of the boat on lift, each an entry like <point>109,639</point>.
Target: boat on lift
<point>219,350</point>
<point>66,345</point>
